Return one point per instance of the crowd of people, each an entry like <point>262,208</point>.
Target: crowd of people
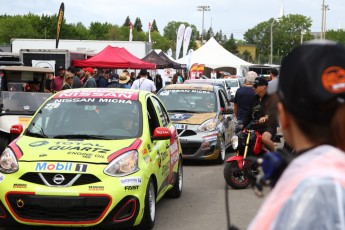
<point>93,78</point>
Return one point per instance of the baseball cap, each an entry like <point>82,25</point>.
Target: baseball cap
<point>143,72</point>
<point>260,81</point>
<point>312,80</point>
<point>88,69</point>
<point>61,67</point>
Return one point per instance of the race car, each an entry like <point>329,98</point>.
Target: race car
<point>91,157</point>
<point>203,118</point>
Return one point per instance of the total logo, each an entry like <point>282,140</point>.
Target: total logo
<point>58,166</point>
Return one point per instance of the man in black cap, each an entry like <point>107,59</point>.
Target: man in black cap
<point>57,82</point>
<point>260,112</point>
<point>310,193</point>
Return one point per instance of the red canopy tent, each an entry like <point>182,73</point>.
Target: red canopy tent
<point>114,57</point>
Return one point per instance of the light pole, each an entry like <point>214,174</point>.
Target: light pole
<point>323,19</point>
<point>203,9</point>
<point>302,33</point>
<point>271,54</point>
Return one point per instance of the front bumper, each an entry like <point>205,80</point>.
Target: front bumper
<point>200,145</point>
<point>101,204</point>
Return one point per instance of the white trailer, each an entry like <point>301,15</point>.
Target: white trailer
<point>137,48</point>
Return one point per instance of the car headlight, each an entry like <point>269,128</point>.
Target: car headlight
<point>234,142</point>
<point>209,125</point>
<point>8,161</point>
<point>125,164</point>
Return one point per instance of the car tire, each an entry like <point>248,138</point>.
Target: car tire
<point>222,151</point>
<point>149,217</point>
<point>176,190</point>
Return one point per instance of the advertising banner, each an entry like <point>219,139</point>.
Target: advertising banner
<point>186,40</point>
<point>179,39</point>
<point>59,24</point>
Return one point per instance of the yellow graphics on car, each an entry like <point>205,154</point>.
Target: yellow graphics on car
<point>91,157</point>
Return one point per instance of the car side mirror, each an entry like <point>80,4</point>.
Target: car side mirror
<point>16,130</point>
<point>161,133</point>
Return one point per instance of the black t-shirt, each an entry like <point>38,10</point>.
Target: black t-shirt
<point>244,98</point>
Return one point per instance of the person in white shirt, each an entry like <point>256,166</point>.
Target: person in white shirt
<point>143,83</point>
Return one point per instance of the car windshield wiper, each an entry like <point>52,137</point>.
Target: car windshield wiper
<point>181,111</point>
<point>82,136</point>
<point>31,134</point>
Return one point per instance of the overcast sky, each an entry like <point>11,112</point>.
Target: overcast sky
<point>230,16</point>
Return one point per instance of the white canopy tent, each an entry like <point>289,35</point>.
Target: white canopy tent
<point>214,56</point>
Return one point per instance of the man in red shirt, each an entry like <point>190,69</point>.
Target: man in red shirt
<point>57,82</point>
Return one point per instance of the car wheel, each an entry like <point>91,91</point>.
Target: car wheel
<point>176,190</point>
<point>149,217</point>
<point>222,150</point>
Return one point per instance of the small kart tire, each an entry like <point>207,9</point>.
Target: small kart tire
<point>176,190</point>
<point>234,176</point>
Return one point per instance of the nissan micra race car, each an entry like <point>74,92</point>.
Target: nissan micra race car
<point>91,157</point>
<point>203,117</point>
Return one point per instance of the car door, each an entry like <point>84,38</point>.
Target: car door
<point>159,118</point>
<point>226,117</point>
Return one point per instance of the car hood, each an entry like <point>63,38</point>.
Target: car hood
<point>191,118</point>
<point>42,149</point>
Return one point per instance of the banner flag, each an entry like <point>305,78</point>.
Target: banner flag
<point>193,72</point>
<point>130,31</point>
<point>186,40</point>
<point>149,31</point>
<point>179,39</point>
<point>59,24</point>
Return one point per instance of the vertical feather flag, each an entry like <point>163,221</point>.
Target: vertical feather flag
<point>179,39</point>
<point>186,40</point>
<point>59,24</point>
<point>130,31</point>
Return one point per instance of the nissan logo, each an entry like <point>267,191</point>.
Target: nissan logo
<point>58,179</point>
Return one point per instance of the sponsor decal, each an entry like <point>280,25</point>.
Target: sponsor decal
<point>59,166</point>
<point>2,177</point>
<point>19,185</point>
<point>38,143</point>
<point>78,146</point>
<point>131,188</point>
<point>51,106</point>
<point>82,154</point>
<point>165,169</point>
<point>147,159</point>
<point>42,155</point>
<point>144,152</point>
<point>179,117</point>
<point>96,188</point>
<point>98,93</point>
<point>130,181</point>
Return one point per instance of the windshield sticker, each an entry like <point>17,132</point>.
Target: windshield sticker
<point>98,93</point>
<point>86,100</point>
<point>51,106</point>
<point>187,91</point>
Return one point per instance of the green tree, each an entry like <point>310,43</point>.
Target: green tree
<point>159,42</point>
<point>127,21</point>
<point>138,25</point>
<point>231,45</point>
<point>286,33</point>
<point>154,26</point>
<point>336,35</point>
<point>209,34</point>
<point>99,30</point>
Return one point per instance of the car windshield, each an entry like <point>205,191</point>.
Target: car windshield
<point>232,83</point>
<point>194,101</point>
<point>87,118</point>
<point>22,101</point>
